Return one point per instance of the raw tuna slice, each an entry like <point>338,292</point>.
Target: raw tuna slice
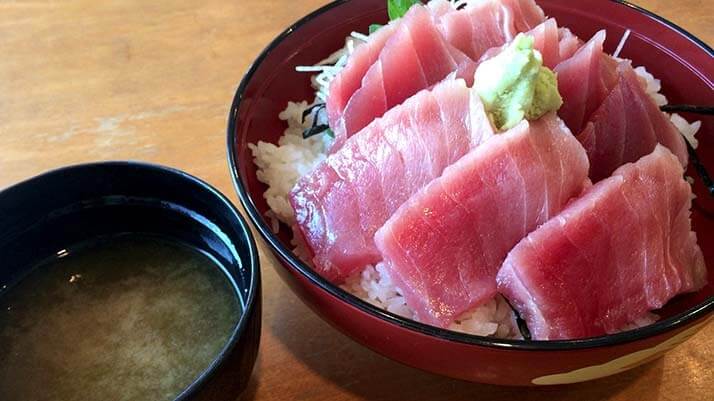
<point>555,44</point>
<point>475,29</point>
<point>415,57</point>
<point>626,126</point>
<point>526,14</point>
<point>546,41</point>
<point>569,43</point>
<point>444,246</point>
<point>346,198</point>
<point>439,8</point>
<point>584,80</point>
<point>488,24</point>
<point>622,249</point>
<point>349,79</point>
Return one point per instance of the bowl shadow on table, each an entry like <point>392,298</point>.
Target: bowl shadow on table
<point>370,376</point>
<point>252,387</point>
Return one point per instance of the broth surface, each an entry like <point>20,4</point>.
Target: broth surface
<point>130,319</point>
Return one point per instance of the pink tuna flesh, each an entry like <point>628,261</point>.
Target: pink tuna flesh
<point>415,57</point>
<point>349,79</point>
<point>346,198</point>
<point>569,43</point>
<point>444,246</point>
<point>526,14</point>
<point>554,44</point>
<point>584,80</point>
<point>627,125</point>
<point>622,249</point>
<point>418,51</point>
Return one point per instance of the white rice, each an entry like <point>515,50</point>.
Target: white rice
<point>645,320</point>
<point>281,165</point>
<point>652,87</point>
<point>374,286</point>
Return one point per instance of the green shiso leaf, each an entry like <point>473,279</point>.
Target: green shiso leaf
<point>373,28</point>
<point>397,8</point>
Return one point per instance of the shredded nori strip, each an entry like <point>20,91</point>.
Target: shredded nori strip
<point>522,326</point>
<point>704,110</point>
<point>688,108</point>
<point>315,107</point>
<point>701,170</point>
<point>316,128</point>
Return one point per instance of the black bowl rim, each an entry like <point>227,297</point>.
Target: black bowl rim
<point>253,270</point>
<point>657,328</point>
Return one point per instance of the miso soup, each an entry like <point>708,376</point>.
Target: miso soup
<point>133,318</point>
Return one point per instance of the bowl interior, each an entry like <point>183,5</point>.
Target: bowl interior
<point>683,64</point>
<point>64,210</point>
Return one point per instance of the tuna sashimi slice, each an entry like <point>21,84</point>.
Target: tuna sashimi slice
<point>412,54</point>
<point>486,24</point>
<point>547,42</point>
<point>439,8</point>
<point>346,198</point>
<point>526,14</point>
<point>349,79</point>
<point>584,80</point>
<point>415,57</point>
<point>623,248</point>
<point>554,44</point>
<point>627,125</point>
<point>569,43</point>
<point>444,246</point>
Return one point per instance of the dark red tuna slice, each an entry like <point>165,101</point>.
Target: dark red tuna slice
<point>627,125</point>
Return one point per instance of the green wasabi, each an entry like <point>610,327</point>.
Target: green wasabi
<point>514,85</point>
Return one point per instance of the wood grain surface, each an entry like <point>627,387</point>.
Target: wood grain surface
<point>85,80</point>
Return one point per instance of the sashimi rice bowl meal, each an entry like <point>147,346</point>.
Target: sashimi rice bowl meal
<point>477,167</point>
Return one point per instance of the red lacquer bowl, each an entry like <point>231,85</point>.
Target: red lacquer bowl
<point>684,64</point>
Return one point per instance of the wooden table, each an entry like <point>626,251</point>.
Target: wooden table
<point>88,80</point>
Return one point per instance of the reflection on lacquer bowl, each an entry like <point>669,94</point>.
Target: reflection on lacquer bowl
<point>683,63</point>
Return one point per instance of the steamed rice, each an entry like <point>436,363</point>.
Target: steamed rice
<point>281,165</point>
